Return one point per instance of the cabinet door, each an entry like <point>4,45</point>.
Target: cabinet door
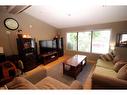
<point>60,43</point>
<point>60,47</point>
<point>29,62</point>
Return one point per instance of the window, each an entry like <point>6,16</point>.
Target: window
<point>72,41</point>
<point>84,41</point>
<point>89,41</point>
<point>100,41</point>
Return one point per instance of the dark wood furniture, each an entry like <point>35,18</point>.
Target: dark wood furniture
<point>48,57</point>
<point>50,50</point>
<point>27,50</point>
<point>2,57</point>
<point>74,65</point>
<point>59,46</point>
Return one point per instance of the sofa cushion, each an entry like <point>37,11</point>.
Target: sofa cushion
<point>20,83</point>
<point>105,64</point>
<point>122,73</point>
<point>36,74</point>
<point>118,65</point>
<point>107,57</point>
<point>105,72</point>
<point>116,58</point>
<point>105,82</point>
<point>51,83</point>
<point>76,85</point>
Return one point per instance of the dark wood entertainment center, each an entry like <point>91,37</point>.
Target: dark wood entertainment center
<point>27,52</point>
<point>50,50</point>
<point>48,57</point>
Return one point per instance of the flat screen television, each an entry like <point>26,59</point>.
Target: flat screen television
<point>54,44</point>
<point>43,44</point>
<point>47,46</point>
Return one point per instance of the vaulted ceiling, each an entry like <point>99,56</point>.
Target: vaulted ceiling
<point>71,14</point>
<point>63,16</point>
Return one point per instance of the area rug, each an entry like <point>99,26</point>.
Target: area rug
<point>57,73</point>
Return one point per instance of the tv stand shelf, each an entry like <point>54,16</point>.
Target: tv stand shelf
<point>48,57</point>
<point>50,50</point>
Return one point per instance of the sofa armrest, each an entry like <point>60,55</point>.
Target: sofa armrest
<point>76,85</point>
<point>20,83</point>
<point>36,74</point>
<point>107,82</point>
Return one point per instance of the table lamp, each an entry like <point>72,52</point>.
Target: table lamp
<point>1,50</point>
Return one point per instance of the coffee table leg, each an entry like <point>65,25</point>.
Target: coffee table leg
<point>63,68</point>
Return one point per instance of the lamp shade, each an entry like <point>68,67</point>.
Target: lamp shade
<point>1,50</point>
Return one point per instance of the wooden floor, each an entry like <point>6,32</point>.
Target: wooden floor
<point>87,84</point>
<point>59,60</point>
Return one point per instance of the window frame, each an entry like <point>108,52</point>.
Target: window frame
<point>77,50</point>
<point>90,42</point>
<point>67,44</point>
<point>109,38</point>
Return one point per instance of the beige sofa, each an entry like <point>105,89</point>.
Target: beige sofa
<point>38,79</point>
<point>104,76</point>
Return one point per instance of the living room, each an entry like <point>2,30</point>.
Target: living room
<point>77,40</point>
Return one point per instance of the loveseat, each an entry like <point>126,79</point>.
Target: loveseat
<point>38,79</point>
<point>105,76</point>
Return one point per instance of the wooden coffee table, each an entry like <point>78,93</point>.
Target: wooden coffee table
<point>74,65</point>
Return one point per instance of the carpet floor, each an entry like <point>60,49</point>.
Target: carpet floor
<point>57,72</point>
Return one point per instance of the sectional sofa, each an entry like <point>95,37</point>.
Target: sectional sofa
<point>38,79</point>
<point>111,74</point>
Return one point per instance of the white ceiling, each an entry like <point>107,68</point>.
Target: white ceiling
<point>63,15</point>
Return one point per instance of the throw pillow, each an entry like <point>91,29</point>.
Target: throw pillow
<point>118,65</point>
<point>7,72</point>
<point>122,73</point>
<point>107,57</point>
<point>113,53</point>
<point>118,58</point>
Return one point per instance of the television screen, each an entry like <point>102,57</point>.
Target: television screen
<point>49,44</point>
<point>54,44</point>
<point>43,43</point>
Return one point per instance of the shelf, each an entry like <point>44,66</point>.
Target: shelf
<point>49,57</point>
